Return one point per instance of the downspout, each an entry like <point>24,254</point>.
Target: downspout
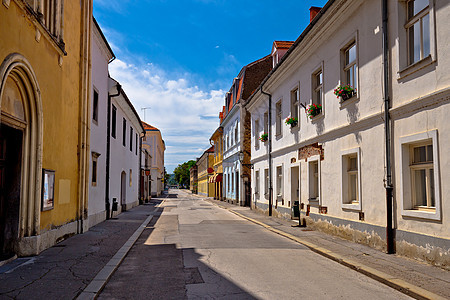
<point>108,150</point>
<point>270,150</point>
<point>140,192</point>
<point>390,240</point>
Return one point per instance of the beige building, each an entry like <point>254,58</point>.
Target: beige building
<point>155,146</point>
<point>205,171</point>
<point>348,150</point>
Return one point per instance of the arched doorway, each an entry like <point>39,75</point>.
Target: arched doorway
<point>20,157</point>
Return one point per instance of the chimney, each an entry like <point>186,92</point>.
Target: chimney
<point>313,11</point>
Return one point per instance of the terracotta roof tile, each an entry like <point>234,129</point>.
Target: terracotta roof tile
<point>283,44</point>
<point>149,127</point>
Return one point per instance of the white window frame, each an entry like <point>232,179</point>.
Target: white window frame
<point>279,117</point>
<point>316,87</point>
<point>345,154</point>
<point>280,181</point>
<point>266,122</point>
<point>266,183</point>
<point>404,155</point>
<point>295,103</point>
<point>318,199</point>
<point>405,68</point>
<point>256,133</point>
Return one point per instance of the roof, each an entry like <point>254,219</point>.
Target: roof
<point>148,127</point>
<point>210,150</point>
<point>283,44</point>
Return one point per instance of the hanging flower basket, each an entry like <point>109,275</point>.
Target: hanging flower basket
<point>264,137</point>
<point>313,110</point>
<point>344,92</point>
<point>291,121</point>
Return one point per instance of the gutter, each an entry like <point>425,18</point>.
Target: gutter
<point>390,238</point>
<point>108,149</point>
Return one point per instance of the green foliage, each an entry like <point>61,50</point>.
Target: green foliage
<point>182,174</point>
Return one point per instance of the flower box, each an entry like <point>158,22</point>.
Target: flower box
<point>264,137</point>
<point>291,121</point>
<point>345,92</point>
<point>313,110</point>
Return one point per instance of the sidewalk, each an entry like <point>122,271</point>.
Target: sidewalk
<point>79,266</point>
<point>417,279</point>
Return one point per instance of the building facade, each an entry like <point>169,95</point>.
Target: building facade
<point>154,144</point>
<point>44,98</point>
<point>235,121</point>
<point>333,160</point>
<point>217,140</point>
<point>124,151</point>
<point>205,171</point>
<point>102,55</point>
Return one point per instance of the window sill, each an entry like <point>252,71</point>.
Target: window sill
<point>318,117</point>
<point>422,214</point>
<point>351,206</point>
<point>313,201</point>
<point>352,100</point>
<point>415,67</point>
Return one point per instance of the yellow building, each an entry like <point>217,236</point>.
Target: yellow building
<point>205,171</point>
<point>216,179</point>
<point>44,130</point>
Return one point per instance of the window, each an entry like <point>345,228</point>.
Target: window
<point>52,17</point>
<point>131,177</point>
<point>131,139</point>
<point>317,80</point>
<point>422,176</point>
<point>266,122</point>
<point>350,66</point>
<point>113,121</point>
<point>294,104</point>
<point>256,133</point>
<point>418,30</point>
<point>232,182</point>
<point>95,156</point>
<point>350,179</point>
<point>266,183</point>
<point>280,181</point>
<point>257,182</point>
<point>279,119</point>
<point>420,184</point>
<point>228,183</point>
<point>124,131</point>
<point>136,148</point>
<point>95,107</point>
<point>236,133</point>
<point>314,178</point>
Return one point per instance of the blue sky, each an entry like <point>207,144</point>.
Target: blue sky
<point>180,57</point>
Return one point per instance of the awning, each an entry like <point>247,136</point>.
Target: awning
<point>211,179</point>
<point>218,177</point>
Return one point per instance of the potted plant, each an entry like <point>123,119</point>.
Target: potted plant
<point>313,110</point>
<point>264,137</point>
<point>291,121</point>
<point>344,92</point>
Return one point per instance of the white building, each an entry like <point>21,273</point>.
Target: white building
<point>125,131</point>
<point>335,164</point>
<point>102,55</point>
<point>236,132</point>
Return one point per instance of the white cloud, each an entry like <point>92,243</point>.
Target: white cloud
<point>186,115</point>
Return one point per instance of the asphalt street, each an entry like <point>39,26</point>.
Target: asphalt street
<point>196,250</point>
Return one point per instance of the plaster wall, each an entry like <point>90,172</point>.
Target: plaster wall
<point>122,159</point>
<point>99,76</point>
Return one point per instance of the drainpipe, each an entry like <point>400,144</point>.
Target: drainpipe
<point>270,150</point>
<point>390,240</point>
<point>108,149</point>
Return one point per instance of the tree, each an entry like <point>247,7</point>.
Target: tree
<point>182,174</point>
